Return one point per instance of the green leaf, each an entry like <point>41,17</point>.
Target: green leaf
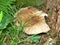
<point>35,38</point>
<point>1,15</point>
<point>0,32</point>
<point>13,43</point>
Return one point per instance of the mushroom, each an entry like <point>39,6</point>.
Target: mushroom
<point>36,23</point>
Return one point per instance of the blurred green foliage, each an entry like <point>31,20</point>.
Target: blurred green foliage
<point>30,2</point>
<point>6,7</point>
<point>35,3</point>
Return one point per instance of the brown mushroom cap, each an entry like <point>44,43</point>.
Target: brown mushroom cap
<point>36,23</point>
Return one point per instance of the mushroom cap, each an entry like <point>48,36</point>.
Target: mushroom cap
<point>36,22</point>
